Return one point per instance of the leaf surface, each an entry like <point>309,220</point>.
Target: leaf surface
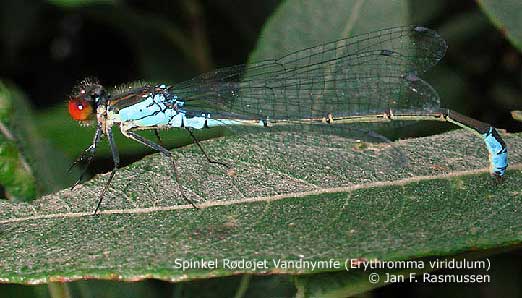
<point>442,202</point>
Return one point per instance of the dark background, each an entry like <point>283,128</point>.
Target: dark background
<point>46,49</point>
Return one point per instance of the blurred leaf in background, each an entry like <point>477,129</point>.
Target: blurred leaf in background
<point>29,166</point>
<point>302,24</point>
<point>506,16</point>
<point>16,176</point>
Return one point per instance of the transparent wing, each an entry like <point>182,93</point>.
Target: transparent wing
<point>365,74</point>
<point>295,159</point>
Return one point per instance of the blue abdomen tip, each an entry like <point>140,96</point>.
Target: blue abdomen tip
<point>498,153</point>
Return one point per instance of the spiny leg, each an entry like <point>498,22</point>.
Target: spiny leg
<point>116,160</point>
<point>205,153</point>
<point>87,154</point>
<point>164,151</point>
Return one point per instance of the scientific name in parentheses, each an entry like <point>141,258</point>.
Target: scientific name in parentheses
<point>420,264</point>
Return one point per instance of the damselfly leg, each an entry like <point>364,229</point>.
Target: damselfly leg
<point>116,161</point>
<point>205,153</point>
<point>165,152</point>
<point>88,155</point>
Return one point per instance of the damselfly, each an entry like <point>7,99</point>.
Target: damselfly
<point>371,77</point>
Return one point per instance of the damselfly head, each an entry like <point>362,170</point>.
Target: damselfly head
<point>84,100</point>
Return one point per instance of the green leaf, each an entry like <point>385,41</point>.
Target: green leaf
<point>15,174</point>
<point>297,25</point>
<point>505,15</point>
<point>16,177</point>
<point>288,206</point>
<point>27,163</point>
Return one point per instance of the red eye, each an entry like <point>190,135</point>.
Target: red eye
<point>80,109</point>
